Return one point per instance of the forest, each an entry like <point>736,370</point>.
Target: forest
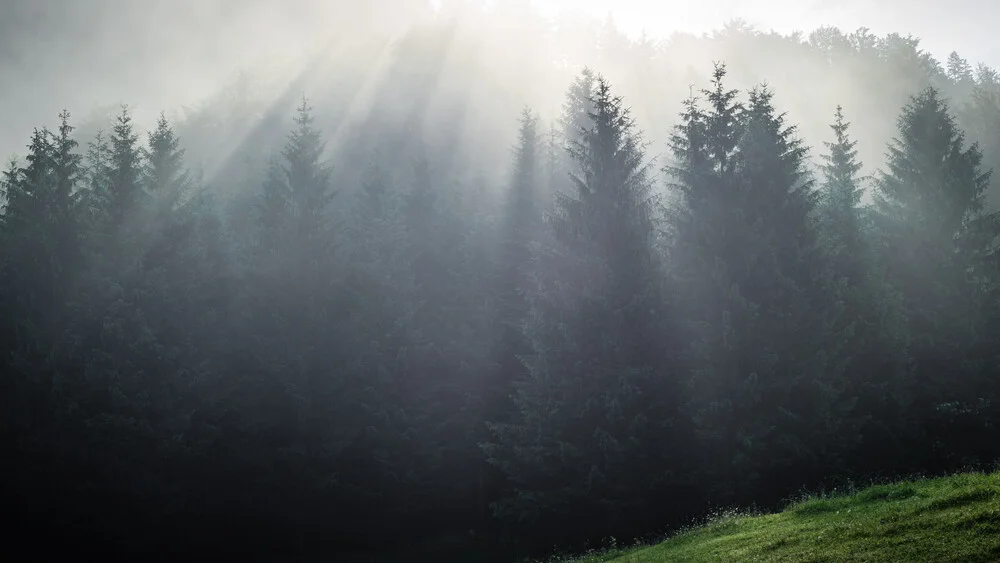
<point>445,315</point>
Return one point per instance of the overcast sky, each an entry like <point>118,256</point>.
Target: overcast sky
<point>157,54</point>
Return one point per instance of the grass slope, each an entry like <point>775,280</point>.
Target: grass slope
<point>951,519</point>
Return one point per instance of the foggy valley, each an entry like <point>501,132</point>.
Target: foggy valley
<point>402,280</point>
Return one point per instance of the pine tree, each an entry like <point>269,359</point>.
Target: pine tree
<point>97,171</point>
<point>379,286</point>
<point>166,179</point>
<point>553,159</point>
<point>442,359</point>
<point>28,278</point>
<point>841,203</point>
<point>308,178</point>
<point>702,146</point>
<point>980,117</point>
<point>588,409</point>
<point>866,340</point>
<point>183,260</point>
<point>521,227</point>
<point>125,190</point>
<point>68,164</point>
<point>762,399</point>
<point>960,81</point>
<point>572,127</point>
<point>933,235</point>
<point>40,229</point>
<point>986,75</point>
<point>958,69</point>
<point>298,191</point>
<point>287,380</point>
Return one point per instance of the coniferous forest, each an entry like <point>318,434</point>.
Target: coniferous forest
<point>437,317</point>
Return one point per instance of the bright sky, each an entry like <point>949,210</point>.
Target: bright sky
<point>657,17</point>
<point>964,25</point>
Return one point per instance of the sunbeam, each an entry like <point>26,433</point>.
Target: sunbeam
<point>494,280</point>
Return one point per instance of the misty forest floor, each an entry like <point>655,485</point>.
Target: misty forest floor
<point>950,519</point>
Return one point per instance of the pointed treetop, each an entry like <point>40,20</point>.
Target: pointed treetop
<point>959,70</point>
<point>65,129</point>
<point>166,174</point>
<point>525,151</point>
<point>842,149</point>
<point>528,130</point>
<point>841,167</point>
<point>303,117</point>
<point>723,119</point>
<point>929,172</point>
<point>67,160</point>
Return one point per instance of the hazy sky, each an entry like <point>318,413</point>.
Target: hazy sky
<point>157,54</point>
<point>967,26</point>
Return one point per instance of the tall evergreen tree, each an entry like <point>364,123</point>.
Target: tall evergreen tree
<point>958,69</point>
<point>570,128</point>
<point>702,146</point>
<point>866,339</point>
<point>379,285</point>
<point>590,403</point>
<point>933,235</point>
<point>521,227</point>
<point>762,399</point>
<point>185,270</point>
<point>298,191</point>
<point>35,231</point>
<point>841,201</point>
<point>286,383</point>
<point>166,179</point>
<point>40,236</point>
<point>96,172</point>
<point>125,188</point>
<point>578,106</point>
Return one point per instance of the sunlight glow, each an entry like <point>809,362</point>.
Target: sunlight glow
<point>658,19</point>
<point>661,18</point>
<point>637,16</point>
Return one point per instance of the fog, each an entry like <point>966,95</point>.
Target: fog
<point>480,281</point>
<point>156,55</point>
<point>159,55</point>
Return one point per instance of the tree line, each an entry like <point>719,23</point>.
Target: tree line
<point>614,347</point>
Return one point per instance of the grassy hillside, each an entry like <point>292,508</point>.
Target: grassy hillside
<point>953,519</point>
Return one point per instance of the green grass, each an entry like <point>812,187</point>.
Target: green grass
<point>951,519</point>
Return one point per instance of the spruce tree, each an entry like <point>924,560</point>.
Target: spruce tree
<point>959,70</point>
<point>589,406</point>
<point>933,237</point>
<point>702,146</point>
<point>866,340</point>
<point>577,107</point>
<point>844,243</point>
<point>29,229</point>
<point>96,175</point>
<point>297,193</point>
<point>166,179</point>
<point>841,201</point>
<point>185,269</point>
<point>40,232</point>
<point>379,285</point>
<point>569,129</point>
<point>287,377</point>
<point>520,228</point>
<point>762,399</point>
<point>125,189</point>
